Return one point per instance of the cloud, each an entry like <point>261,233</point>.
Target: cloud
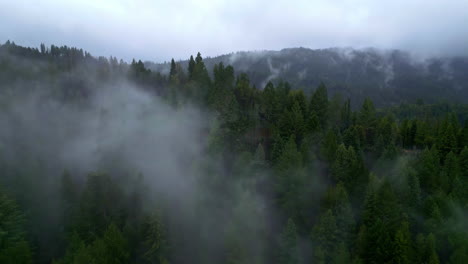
<point>123,131</point>
<point>159,30</point>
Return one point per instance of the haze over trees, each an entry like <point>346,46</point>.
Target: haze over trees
<point>388,77</point>
<point>103,161</point>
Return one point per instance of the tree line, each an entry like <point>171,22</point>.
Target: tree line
<point>346,183</point>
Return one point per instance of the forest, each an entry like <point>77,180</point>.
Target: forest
<point>104,161</point>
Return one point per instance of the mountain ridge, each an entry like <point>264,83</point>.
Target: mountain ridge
<point>387,76</point>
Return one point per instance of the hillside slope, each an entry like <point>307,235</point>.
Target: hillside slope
<point>387,77</point>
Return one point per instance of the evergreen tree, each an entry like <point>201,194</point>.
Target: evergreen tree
<point>111,248</point>
<point>14,247</point>
<point>154,243</point>
<point>367,118</point>
<point>346,114</point>
<point>312,122</point>
<point>414,193</point>
<point>450,172</point>
<point>191,67</point>
<point>403,244</point>
<point>345,165</point>
<point>464,164</point>
<point>325,234</point>
<point>329,146</point>
<point>341,255</point>
<point>432,257</point>
<point>100,205</point>
<point>270,108</point>
<point>292,123</point>
<point>289,249</point>
<point>69,194</point>
<point>291,182</point>
<point>319,104</point>
<point>173,70</point>
<point>428,169</point>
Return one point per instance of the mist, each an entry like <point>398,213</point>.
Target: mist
<point>326,133</point>
<point>124,131</point>
<point>156,30</point>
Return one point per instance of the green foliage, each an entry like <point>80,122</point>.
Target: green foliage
<point>367,119</point>
<point>329,146</point>
<point>372,185</point>
<point>14,247</point>
<point>100,206</point>
<point>341,254</point>
<point>344,166</point>
<point>428,169</point>
<point>432,257</point>
<point>414,193</point>
<point>291,182</point>
<point>154,244</point>
<point>110,248</point>
<point>319,104</point>
<point>325,233</point>
<point>403,244</point>
<point>289,248</point>
<point>291,122</point>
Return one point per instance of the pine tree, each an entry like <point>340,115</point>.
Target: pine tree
<point>69,193</point>
<point>100,205</point>
<point>14,247</point>
<point>362,243</point>
<point>270,107</point>
<point>403,244</point>
<point>173,70</point>
<point>352,137</point>
<point>345,165</point>
<point>312,122</point>
<point>290,157</point>
<point>319,104</point>
<point>341,255</point>
<point>337,200</point>
<point>191,67</point>
<point>292,123</point>
<point>290,181</point>
<point>116,245</point>
<point>346,115</point>
<point>432,257</point>
<point>367,118</point>
<point>447,139</point>
<point>460,254</point>
<point>414,193</point>
<point>463,136</point>
<point>329,146</point>
<point>450,171</point>
<point>428,169</point>
<point>325,234</point>
<point>289,249</point>
<point>154,242</point>
<point>464,163</point>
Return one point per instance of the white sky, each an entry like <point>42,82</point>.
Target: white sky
<point>161,29</point>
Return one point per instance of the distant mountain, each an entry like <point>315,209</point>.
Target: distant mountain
<point>387,77</point>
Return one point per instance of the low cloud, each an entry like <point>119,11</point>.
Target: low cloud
<point>164,29</point>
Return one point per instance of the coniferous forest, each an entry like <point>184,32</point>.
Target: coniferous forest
<point>105,161</point>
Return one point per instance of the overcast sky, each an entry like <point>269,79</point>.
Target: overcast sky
<point>161,29</point>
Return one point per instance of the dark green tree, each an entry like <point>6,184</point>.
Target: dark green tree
<point>154,244</point>
<point>319,104</point>
<point>289,249</point>
<point>14,247</point>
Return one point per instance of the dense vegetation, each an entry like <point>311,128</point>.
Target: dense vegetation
<point>386,77</point>
<point>282,177</point>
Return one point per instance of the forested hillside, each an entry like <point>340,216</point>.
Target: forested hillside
<point>103,161</point>
<point>388,77</point>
